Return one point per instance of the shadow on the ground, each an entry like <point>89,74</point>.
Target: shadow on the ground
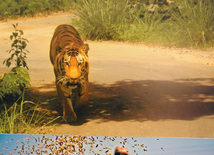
<point>182,99</point>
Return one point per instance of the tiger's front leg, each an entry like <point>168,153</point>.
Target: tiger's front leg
<point>68,110</point>
<point>84,94</point>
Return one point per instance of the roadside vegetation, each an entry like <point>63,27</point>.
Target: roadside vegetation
<point>16,114</point>
<point>180,23</point>
<point>18,8</point>
<point>177,23</point>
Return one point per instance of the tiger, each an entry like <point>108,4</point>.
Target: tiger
<point>69,57</point>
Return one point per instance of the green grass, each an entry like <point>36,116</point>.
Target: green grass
<point>102,19</point>
<point>182,24</point>
<point>17,8</point>
<point>24,117</point>
<point>194,26</point>
<point>143,29</point>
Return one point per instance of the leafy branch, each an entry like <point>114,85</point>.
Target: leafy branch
<point>17,49</point>
<point>12,84</point>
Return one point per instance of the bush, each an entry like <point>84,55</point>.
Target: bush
<point>13,84</point>
<point>14,8</point>
<point>186,23</point>
<point>121,20</point>
<point>102,19</point>
<point>17,115</point>
<point>18,49</point>
<point>193,25</point>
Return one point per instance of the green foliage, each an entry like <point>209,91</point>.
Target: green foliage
<point>17,49</point>
<point>145,27</point>
<point>102,19</point>
<point>118,20</point>
<point>25,117</point>
<point>193,26</point>
<point>17,115</point>
<point>14,8</point>
<point>185,23</point>
<point>13,84</point>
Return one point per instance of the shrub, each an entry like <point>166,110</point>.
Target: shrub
<point>14,8</point>
<point>193,24</point>
<point>186,23</point>
<point>18,49</point>
<point>102,19</point>
<point>17,115</point>
<point>121,20</point>
<point>13,84</point>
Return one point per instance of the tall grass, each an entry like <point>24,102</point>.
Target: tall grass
<point>23,117</point>
<point>14,8</point>
<point>193,26</point>
<point>186,23</point>
<point>118,20</point>
<point>143,29</point>
<point>102,19</point>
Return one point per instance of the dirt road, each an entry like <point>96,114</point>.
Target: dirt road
<point>135,90</point>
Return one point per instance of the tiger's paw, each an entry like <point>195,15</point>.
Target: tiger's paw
<point>71,118</point>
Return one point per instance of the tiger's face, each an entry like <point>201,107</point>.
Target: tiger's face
<point>73,64</point>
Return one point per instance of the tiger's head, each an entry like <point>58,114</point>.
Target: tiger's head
<point>72,64</point>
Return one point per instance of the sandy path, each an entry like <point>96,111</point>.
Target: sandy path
<point>135,90</point>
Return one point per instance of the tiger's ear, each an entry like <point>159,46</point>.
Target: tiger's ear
<point>84,48</point>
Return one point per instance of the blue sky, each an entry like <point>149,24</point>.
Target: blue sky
<point>12,143</point>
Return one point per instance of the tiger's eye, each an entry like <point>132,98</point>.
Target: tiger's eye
<point>67,58</point>
<point>79,63</point>
<point>79,59</point>
<point>83,69</point>
<point>66,63</point>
